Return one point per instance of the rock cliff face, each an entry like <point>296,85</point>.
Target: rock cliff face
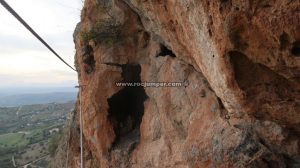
<point>238,60</point>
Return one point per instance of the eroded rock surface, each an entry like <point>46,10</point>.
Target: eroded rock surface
<point>239,62</point>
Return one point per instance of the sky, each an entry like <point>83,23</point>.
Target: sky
<point>24,61</point>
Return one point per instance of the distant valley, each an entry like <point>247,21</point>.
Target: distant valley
<point>36,98</point>
<point>29,134</point>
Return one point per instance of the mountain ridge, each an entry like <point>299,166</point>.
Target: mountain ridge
<point>36,98</point>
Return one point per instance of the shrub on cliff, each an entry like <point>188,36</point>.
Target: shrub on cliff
<point>53,143</point>
<point>103,31</point>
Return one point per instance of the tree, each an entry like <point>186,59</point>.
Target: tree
<point>53,143</point>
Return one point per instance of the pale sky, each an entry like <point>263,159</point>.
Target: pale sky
<point>24,61</point>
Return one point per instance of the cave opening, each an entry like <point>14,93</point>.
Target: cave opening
<point>126,107</point>
<point>245,71</point>
<point>88,59</point>
<point>164,51</point>
<point>296,49</point>
<point>284,40</point>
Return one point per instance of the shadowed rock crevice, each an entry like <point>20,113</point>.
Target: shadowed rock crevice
<point>249,74</point>
<point>164,51</point>
<point>126,107</point>
<point>284,40</point>
<point>267,89</point>
<point>88,59</point>
<point>245,71</point>
<point>296,49</point>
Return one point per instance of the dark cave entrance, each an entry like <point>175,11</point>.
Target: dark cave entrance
<point>126,107</point>
<point>164,51</point>
<point>88,59</point>
<point>296,49</point>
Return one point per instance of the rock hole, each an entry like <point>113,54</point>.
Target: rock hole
<point>237,40</point>
<point>146,39</point>
<point>220,103</point>
<point>164,51</point>
<point>249,74</point>
<point>88,59</point>
<point>267,6</point>
<point>284,40</point>
<point>245,71</point>
<point>224,4</point>
<point>210,32</point>
<point>202,93</point>
<point>296,49</point>
<point>126,108</point>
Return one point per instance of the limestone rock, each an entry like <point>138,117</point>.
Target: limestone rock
<point>238,63</point>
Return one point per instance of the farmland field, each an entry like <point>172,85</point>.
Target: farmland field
<point>25,133</point>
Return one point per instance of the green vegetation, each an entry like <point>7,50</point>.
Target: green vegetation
<point>87,36</point>
<point>106,30</point>
<point>25,132</point>
<point>12,140</point>
<point>103,31</point>
<point>53,143</point>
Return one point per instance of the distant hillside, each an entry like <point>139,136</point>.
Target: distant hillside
<point>40,98</point>
<point>29,133</point>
